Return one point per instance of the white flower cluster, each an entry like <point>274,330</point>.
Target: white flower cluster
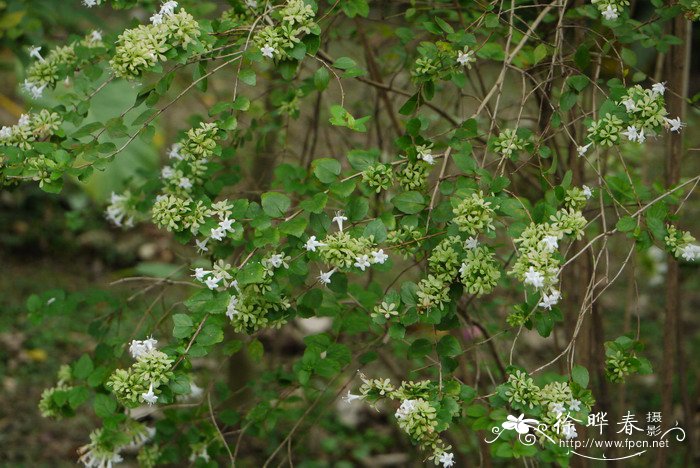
<point>218,278</point>
<point>166,9</point>
<point>120,210</point>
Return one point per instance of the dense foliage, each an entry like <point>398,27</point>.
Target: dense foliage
<point>481,206</point>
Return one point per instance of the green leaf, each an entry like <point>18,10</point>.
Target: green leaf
<point>419,348</point>
<point>376,229</point>
<point>344,63</point>
<point>183,326</point>
<point>83,368</point>
<point>626,224</point>
<point>579,374</point>
<point>247,76</point>
<point>275,204</point>
<point>255,350</point>
<point>252,273</point>
<point>326,169</point>
<point>294,227</point>
<point>315,204</point>
<point>409,202</point>
<point>448,346</point>
<point>321,78</point>
<point>104,405</point>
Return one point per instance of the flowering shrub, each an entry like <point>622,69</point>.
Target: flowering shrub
<point>443,207</point>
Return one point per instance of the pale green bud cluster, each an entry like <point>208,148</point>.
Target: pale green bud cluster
<point>522,389</point>
<point>48,71</point>
<point>680,244</point>
<point>413,175</point>
<point>444,260</point>
<point>53,405</point>
<point>387,310</point>
<point>30,128</point>
<point>606,131</point>
<point>296,19</point>
<point>417,414</point>
<point>691,9</point>
<point>436,61</point>
<point>405,239</point>
<point>539,261</point>
<point>480,272</point>
<point>141,48</point>
<point>341,249</point>
<point>473,214</point>
<point>617,5</point>
<point>151,370</point>
<point>554,402</point>
<point>148,456</point>
<point>508,143</point>
<point>432,292</point>
<point>647,108</point>
<point>169,212</point>
<point>379,177</point>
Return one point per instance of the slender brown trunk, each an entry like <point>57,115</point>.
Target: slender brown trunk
<point>677,67</point>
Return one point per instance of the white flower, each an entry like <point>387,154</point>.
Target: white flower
<point>174,152</point>
<point>447,459</point>
<point>251,3</point>
<point>378,256</point>
<point>631,133</point>
<point>471,243</point>
<point>325,278</point>
<point>610,13</point>
<point>690,252</point>
<point>362,262</point>
<point>587,191</point>
<point>33,89</point>
<point>150,343</point>
<point>202,245</point>
<point>640,136</point>
<point>569,431</point>
<point>277,260</point>
<point>575,405</point>
<point>583,149</point>
<point>268,51</point>
<point>339,218</point>
<point>407,406</point>
<point>5,132</point>
<point>96,36</point>
<point>550,243</point>
<point>534,278</point>
<point>630,105</point>
<point>312,243</point>
<point>557,408</point>
<point>549,300</point>
<point>426,154</point>
<point>659,88</point>
<point>200,273</point>
<point>351,397</point>
<point>25,120</point>
<point>157,19</point>
<point>674,124</point>
<point>231,309</point>
<point>466,58</point>
<point>167,172</point>
<point>137,349</point>
<point>226,224</point>
<point>212,282</point>
<point>149,397</point>
<point>99,458</point>
<point>185,183</point>
<point>217,233</point>
<point>35,52</point>
<point>89,3</point>
<point>168,8</point>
